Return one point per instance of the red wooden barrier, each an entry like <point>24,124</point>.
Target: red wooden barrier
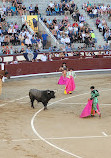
<point>53,66</point>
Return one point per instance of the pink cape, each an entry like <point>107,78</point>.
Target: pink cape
<point>87,110</point>
<point>70,85</point>
<point>62,80</point>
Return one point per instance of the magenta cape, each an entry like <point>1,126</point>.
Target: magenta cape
<point>87,110</point>
<point>62,80</point>
<point>70,85</point>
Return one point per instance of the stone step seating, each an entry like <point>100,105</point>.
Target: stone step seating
<point>91,22</point>
<point>41,4</point>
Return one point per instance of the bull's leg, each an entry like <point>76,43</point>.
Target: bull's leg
<point>32,102</point>
<point>45,106</point>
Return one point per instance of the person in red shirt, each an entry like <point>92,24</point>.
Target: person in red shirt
<point>75,24</point>
<point>97,22</point>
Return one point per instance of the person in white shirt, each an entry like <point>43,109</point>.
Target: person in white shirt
<point>43,57</point>
<point>83,36</point>
<point>95,12</point>
<point>51,4</point>
<point>63,40</point>
<point>56,27</point>
<point>28,41</point>
<point>70,28</point>
<point>75,29</point>
<point>81,25</point>
<point>67,39</point>
<point>4,9</point>
<point>103,8</point>
<point>30,35</point>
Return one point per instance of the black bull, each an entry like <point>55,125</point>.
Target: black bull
<point>41,96</point>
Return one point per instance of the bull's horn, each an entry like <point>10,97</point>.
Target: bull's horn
<point>55,90</point>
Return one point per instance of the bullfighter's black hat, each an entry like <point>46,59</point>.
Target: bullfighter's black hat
<point>92,87</point>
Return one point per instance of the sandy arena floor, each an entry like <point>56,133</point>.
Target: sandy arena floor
<point>57,132</point>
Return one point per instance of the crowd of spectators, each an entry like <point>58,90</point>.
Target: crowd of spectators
<point>11,34</point>
<point>69,34</point>
<point>97,10</point>
<point>65,7</point>
<point>16,7</point>
<point>103,27</point>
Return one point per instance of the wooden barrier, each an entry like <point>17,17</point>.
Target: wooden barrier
<point>53,66</point>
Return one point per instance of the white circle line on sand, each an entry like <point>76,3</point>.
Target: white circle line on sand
<point>57,138</point>
<point>43,139</point>
<point>11,101</point>
<point>81,103</point>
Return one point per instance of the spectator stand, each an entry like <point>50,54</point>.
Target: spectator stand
<point>36,57</point>
<point>102,14</point>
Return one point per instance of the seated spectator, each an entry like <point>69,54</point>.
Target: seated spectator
<point>12,40</point>
<point>4,9</point>
<point>6,40</point>
<point>22,50</point>
<point>36,10</point>
<point>16,40</point>
<point>13,10</point>
<point>68,48</point>
<point>95,12</point>
<point>57,9</point>
<point>16,51</point>
<point>97,22</point>
<point>103,9</point>
<point>51,4</point>
<point>33,40</point>
<point>81,18</point>
<point>6,50</point>
<point>31,10</point>
<point>48,11</point>
<point>53,12</point>
<point>20,10</point>
<point>67,40</point>
<point>71,54</point>
<point>100,47</point>
<point>43,57</point>
<point>28,42</point>
<point>24,9</point>
<point>50,56</point>
<point>28,50</point>
<point>93,36</point>
<point>106,47</point>
<point>11,50</point>
<point>16,27</point>
<point>8,10</point>
<point>61,11</point>
<point>1,39</point>
<point>49,21</point>
<point>108,9</point>
<point>21,38</point>
<point>63,40</point>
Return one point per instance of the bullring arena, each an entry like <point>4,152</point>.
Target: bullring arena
<point>58,132</point>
